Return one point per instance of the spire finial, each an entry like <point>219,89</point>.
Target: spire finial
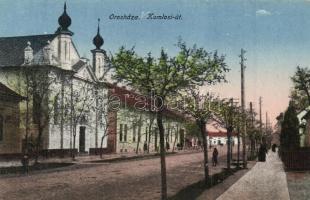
<point>64,20</point>
<point>98,30</point>
<point>98,40</point>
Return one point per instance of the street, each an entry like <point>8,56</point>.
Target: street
<point>138,179</point>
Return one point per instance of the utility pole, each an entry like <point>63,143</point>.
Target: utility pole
<point>266,122</point>
<point>252,141</point>
<point>229,132</point>
<point>260,117</point>
<point>243,108</point>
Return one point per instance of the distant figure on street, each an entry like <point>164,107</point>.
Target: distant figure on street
<point>145,147</point>
<point>25,163</point>
<point>167,146</point>
<point>274,147</point>
<point>214,156</point>
<point>262,153</point>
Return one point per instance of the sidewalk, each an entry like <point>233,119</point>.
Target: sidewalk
<point>265,181</point>
<point>96,158</point>
<point>111,157</point>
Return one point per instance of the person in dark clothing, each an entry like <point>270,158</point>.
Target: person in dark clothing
<point>214,157</point>
<point>145,147</point>
<point>167,146</point>
<point>274,147</point>
<point>262,153</point>
<point>25,163</point>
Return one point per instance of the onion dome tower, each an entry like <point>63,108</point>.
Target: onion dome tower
<point>98,40</point>
<point>64,22</point>
<point>99,55</point>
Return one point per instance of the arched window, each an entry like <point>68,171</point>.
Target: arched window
<point>1,127</point>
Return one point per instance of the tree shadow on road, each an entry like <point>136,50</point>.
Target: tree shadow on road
<point>194,190</point>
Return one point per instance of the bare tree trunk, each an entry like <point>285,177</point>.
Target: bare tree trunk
<point>149,141</point>
<point>62,117</point>
<point>38,143</point>
<point>27,120</point>
<point>244,156</point>
<point>101,144</point>
<point>139,134</point>
<point>138,142</point>
<point>162,156</point>
<point>229,130</point>
<point>150,134</point>
<point>74,136</point>
<point>96,129</point>
<point>202,126</point>
<point>238,159</point>
<point>175,138</point>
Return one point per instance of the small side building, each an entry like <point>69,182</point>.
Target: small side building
<point>304,127</point>
<point>220,138</point>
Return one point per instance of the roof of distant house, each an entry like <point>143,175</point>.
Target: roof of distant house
<point>132,99</point>
<point>12,48</point>
<point>7,92</point>
<point>220,134</point>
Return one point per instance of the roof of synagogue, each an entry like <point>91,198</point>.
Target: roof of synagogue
<point>12,48</point>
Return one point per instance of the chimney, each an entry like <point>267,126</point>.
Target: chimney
<point>28,54</point>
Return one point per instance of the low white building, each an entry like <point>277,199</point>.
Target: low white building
<point>220,138</point>
<point>134,128</point>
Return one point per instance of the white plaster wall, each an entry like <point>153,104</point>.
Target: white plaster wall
<point>128,116</point>
<point>214,140</point>
<point>54,136</point>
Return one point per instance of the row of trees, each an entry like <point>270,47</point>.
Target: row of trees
<point>176,81</point>
<point>164,80</point>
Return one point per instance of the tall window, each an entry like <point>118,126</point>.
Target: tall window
<point>1,127</point>
<point>121,132</point>
<point>125,133</point>
<point>134,133</point>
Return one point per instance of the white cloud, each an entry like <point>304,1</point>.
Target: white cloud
<point>262,12</point>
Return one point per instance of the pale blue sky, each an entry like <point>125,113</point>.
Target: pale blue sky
<point>275,34</point>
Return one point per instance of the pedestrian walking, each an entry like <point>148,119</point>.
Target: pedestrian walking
<point>25,163</point>
<point>214,156</point>
<point>167,146</point>
<point>262,153</point>
<point>145,147</point>
<point>274,147</point>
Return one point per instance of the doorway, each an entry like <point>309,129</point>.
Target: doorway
<point>82,139</point>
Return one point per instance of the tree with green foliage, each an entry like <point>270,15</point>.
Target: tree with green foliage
<point>159,79</point>
<point>289,137</point>
<point>192,130</point>
<point>300,95</point>
<point>201,108</point>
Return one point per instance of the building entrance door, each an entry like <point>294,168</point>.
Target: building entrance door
<point>82,139</point>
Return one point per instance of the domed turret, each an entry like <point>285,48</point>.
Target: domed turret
<point>98,40</point>
<point>64,20</point>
